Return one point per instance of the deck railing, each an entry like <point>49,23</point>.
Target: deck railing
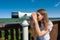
<point>15,32</point>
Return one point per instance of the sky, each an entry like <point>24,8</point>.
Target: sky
<point>7,6</point>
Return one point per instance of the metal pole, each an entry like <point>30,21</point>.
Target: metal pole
<point>25,30</point>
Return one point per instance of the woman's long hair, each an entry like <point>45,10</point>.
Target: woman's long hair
<point>45,18</point>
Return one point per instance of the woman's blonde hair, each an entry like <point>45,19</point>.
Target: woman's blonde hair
<point>45,18</point>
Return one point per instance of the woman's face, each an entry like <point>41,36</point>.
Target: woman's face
<point>39,16</point>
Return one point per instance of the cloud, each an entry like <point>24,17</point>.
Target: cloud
<point>57,4</point>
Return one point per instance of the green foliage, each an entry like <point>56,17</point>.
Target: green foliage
<point>7,20</point>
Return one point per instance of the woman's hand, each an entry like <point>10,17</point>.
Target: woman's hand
<point>34,16</point>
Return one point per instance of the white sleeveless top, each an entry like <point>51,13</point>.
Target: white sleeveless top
<point>47,35</point>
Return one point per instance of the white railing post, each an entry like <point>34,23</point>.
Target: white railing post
<point>25,29</point>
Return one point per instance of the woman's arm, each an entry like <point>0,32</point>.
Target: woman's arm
<point>33,29</point>
<point>31,23</point>
<point>38,31</point>
<point>36,26</point>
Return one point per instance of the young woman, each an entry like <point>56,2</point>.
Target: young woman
<point>41,24</point>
